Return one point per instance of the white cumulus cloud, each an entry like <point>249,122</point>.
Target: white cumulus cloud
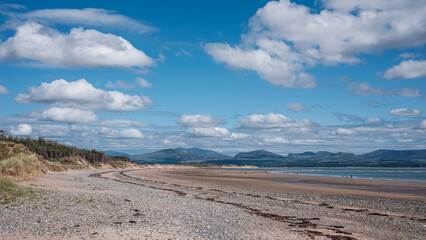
<point>79,48</point>
<point>402,112</point>
<point>297,107</point>
<point>278,140</point>
<point>271,120</point>
<point>130,133</point>
<point>335,34</point>
<point>406,70</point>
<point>208,132</point>
<point>67,115</point>
<point>285,38</point>
<point>200,121</point>
<point>345,131</point>
<point>82,94</point>
<point>22,130</point>
<point>423,124</point>
<point>239,136</point>
<point>275,62</point>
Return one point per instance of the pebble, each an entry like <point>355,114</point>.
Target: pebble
<point>109,212</point>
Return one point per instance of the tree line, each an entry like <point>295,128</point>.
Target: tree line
<point>54,151</point>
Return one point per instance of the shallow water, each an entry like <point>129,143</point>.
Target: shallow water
<point>415,191</point>
<point>401,174</point>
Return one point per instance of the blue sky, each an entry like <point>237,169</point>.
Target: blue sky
<point>285,76</point>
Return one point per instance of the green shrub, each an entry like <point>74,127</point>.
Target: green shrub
<point>10,190</point>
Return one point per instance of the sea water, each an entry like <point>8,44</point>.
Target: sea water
<point>400,174</point>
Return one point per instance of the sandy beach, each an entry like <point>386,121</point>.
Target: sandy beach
<point>285,183</point>
<point>193,203</point>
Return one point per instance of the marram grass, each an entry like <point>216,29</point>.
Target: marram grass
<point>10,191</point>
<point>21,166</point>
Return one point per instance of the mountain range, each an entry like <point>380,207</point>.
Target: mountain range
<point>263,158</point>
<point>178,155</point>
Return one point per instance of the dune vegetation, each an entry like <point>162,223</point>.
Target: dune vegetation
<point>55,156</point>
<point>27,158</point>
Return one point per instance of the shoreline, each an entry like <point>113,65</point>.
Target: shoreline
<point>277,182</point>
<point>303,172</point>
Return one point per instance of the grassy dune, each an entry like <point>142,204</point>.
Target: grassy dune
<point>22,166</point>
<point>10,191</point>
<point>17,163</point>
<point>26,158</point>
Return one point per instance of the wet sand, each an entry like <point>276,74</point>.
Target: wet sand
<point>304,184</point>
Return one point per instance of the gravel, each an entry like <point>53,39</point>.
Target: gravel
<point>114,205</point>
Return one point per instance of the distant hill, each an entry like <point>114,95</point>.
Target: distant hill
<point>258,155</point>
<point>324,159</point>
<point>339,155</point>
<point>165,156</point>
<point>203,153</point>
<point>263,158</point>
<point>321,155</point>
<point>385,154</point>
<point>178,155</point>
<point>301,155</point>
<point>116,153</point>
